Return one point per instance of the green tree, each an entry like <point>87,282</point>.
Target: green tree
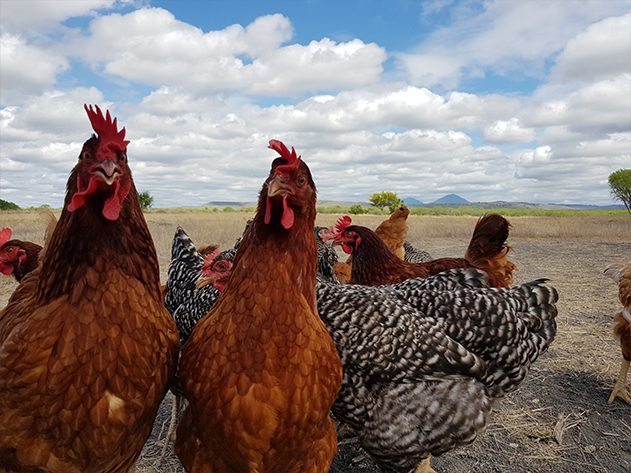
<point>145,200</point>
<point>385,199</point>
<point>620,184</point>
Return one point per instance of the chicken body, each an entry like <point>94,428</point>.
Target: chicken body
<point>260,371</point>
<point>375,264</point>
<point>425,359</point>
<point>621,274</point>
<point>186,303</point>
<point>414,255</point>
<point>87,350</point>
<point>394,230</point>
<point>327,257</point>
<point>184,270</point>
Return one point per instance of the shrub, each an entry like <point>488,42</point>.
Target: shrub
<point>4,205</point>
<point>356,209</point>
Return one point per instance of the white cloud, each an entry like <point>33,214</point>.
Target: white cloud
<point>511,131</point>
<point>603,50</point>
<point>26,69</point>
<point>45,15</point>
<point>150,46</point>
<point>598,108</point>
<point>506,38</point>
<point>199,131</point>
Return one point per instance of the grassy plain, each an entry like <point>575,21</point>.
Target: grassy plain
<point>559,419</point>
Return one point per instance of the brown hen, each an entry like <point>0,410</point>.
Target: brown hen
<point>87,350</point>
<point>18,257</point>
<point>260,371</point>
<point>375,264</point>
<point>621,274</point>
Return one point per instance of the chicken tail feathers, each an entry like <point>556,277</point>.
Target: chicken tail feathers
<point>51,223</point>
<point>540,317</point>
<point>488,250</point>
<point>537,310</point>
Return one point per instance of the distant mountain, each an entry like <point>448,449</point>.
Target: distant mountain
<point>412,202</point>
<point>451,199</point>
<point>593,207</point>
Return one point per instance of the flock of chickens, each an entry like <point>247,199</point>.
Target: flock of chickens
<point>268,342</point>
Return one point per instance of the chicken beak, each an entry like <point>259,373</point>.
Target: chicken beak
<point>203,281</point>
<point>278,186</point>
<point>336,243</point>
<point>109,171</point>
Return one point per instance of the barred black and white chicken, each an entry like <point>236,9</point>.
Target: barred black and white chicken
<point>424,360</point>
<point>187,302</point>
<point>184,270</point>
<point>414,255</point>
<point>327,257</point>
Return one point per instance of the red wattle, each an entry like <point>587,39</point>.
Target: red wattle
<point>112,207</point>
<point>268,211</point>
<point>287,220</point>
<point>79,198</point>
<point>6,268</point>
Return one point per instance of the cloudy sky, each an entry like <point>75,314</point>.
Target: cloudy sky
<point>493,100</point>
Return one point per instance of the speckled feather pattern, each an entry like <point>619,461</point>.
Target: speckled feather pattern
<point>185,268</point>
<point>414,255</point>
<point>424,359</point>
<point>327,257</point>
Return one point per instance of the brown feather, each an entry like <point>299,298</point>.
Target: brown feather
<point>87,349</point>
<point>621,274</point>
<point>394,230</point>
<point>260,371</point>
<point>375,264</point>
<point>622,331</point>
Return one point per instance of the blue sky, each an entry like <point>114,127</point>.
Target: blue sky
<point>497,100</point>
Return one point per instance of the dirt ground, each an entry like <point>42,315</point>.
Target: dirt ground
<point>559,419</point>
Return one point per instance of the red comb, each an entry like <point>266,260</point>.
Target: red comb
<point>208,260</point>
<point>292,159</point>
<point>343,223</point>
<point>105,128</point>
<point>5,235</point>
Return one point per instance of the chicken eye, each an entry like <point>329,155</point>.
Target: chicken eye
<point>87,156</point>
<point>302,181</point>
<point>9,250</point>
<point>221,267</point>
<point>122,158</point>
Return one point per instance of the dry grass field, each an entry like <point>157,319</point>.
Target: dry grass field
<point>559,419</point>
